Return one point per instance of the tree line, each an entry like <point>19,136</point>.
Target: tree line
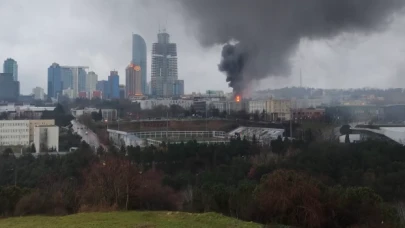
<point>297,183</point>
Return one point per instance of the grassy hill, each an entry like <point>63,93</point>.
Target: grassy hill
<point>129,219</point>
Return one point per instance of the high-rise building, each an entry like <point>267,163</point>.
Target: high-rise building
<point>178,88</point>
<point>82,80</point>
<point>11,66</point>
<point>91,82</point>
<point>122,91</point>
<point>133,81</point>
<point>164,66</point>
<point>139,57</point>
<point>74,77</point>
<point>55,83</point>
<point>66,77</point>
<point>104,87</point>
<point>38,93</point>
<point>9,89</point>
<point>114,85</point>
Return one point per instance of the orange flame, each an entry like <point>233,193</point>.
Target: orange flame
<point>237,98</point>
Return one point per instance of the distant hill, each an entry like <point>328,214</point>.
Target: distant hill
<point>129,220</point>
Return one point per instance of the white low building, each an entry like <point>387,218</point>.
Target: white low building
<point>152,103</point>
<point>107,114</point>
<point>46,138</point>
<point>14,132</point>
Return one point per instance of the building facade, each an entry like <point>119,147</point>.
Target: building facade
<point>257,106</point>
<point>178,88</point>
<point>164,66</point>
<point>38,93</point>
<point>11,66</point>
<point>122,92</point>
<point>91,83</point>
<point>55,83</point>
<point>308,114</point>
<point>9,89</point>
<point>114,85</point>
<point>104,87</point>
<point>14,133</point>
<point>37,123</point>
<point>279,109</point>
<point>152,103</point>
<point>133,81</point>
<point>46,138</point>
<point>139,57</point>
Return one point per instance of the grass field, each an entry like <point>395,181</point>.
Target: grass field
<point>129,219</point>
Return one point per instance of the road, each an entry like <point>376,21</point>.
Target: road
<point>87,135</point>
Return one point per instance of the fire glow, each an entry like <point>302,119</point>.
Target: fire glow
<point>237,98</point>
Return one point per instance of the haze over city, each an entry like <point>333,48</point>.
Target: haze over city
<point>98,34</point>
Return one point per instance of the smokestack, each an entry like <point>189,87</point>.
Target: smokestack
<point>265,33</point>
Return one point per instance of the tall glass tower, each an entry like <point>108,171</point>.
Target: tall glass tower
<point>55,82</point>
<point>139,58</point>
<point>10,66</point>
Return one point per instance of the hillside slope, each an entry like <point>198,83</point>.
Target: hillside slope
<point>128,219</point>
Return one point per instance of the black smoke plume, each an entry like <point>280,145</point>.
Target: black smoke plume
<point>267,32</point>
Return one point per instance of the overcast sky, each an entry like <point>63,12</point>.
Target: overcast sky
<point>97,34</point>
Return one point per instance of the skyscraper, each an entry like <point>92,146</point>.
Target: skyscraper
<point>133,81</point>
<point>178,88</point>
<point>164,66</point>
<point>139,57</point>
<point>91,82</point>
<point>66,77</point>
<point>11,66</point>
<point>122,91</point>
<point>55,83</point>
<point>104,87</point>
<point>114,84</point>
<point>9,89</point>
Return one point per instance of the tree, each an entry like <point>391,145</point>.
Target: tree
<point>347,138</point>
<point>59,110</point>
<point>256,116</point>
<point>345,129</point>
<point>8,152</point>
<point>291,198</point>
<point>32,150</point>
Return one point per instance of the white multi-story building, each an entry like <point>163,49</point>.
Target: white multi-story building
<point>279,109</point>
<point>20,132</point>
<point>257,106</point>
<point>36,123</point>
<point>91,83</point>
<point>14,132</point>
<point>46,138</point>
<point>38,93</point>
<point>150,104</point>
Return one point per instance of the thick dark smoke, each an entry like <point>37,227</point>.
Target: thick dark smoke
<point>267,32</point>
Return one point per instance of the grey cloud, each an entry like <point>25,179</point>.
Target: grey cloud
<point>269,31</point>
